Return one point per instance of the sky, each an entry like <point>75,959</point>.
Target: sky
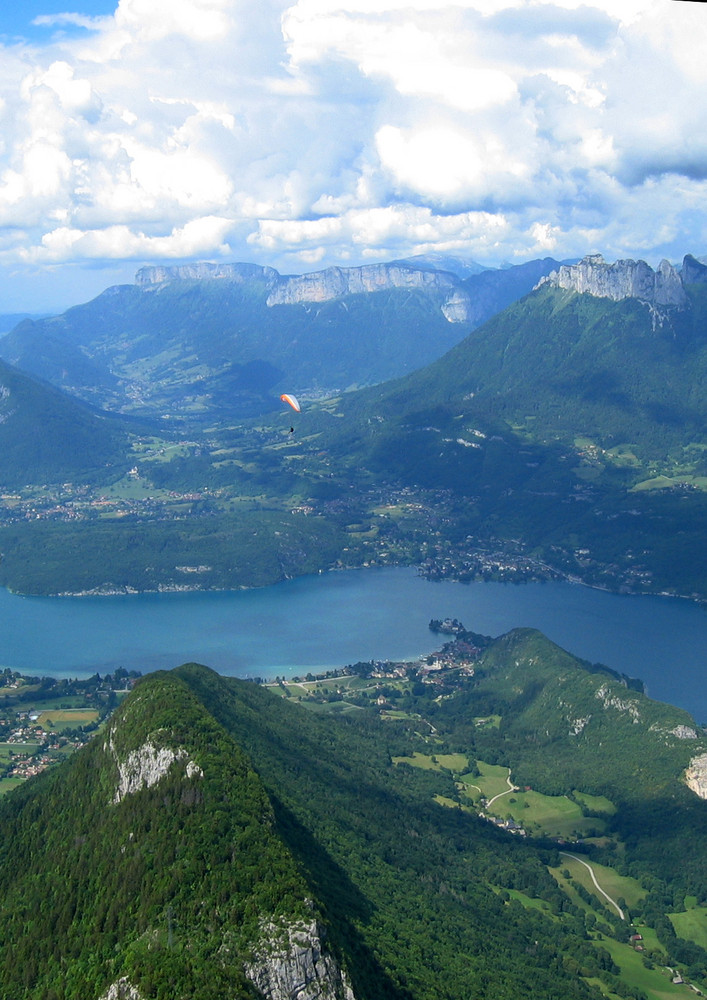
<point>318,132</point>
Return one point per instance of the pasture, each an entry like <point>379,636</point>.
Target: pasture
<point>692,924</point>
<point>615,885</point>
<point>655,983</point>
<point>548,815</point>
<point>57,719</point>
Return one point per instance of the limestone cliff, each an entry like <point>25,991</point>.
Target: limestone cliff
<point>693,271</point>
<point>204,271</point>
<point>624,279</point>
<point>319,286</point>
<point>335,282</point>
<point>290,962</point>
<point>122,989</point>
<point>145,766</point>
<point>696,775</point>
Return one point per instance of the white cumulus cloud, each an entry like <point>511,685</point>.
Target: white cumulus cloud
<point>326,131</point>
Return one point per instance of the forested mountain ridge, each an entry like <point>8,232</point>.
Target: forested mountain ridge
<point>46,435</point>
<point>216,840</point>
<point>218,341</point>
<point>559,366</point>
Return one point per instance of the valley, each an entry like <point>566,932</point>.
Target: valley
<point>586,464</point>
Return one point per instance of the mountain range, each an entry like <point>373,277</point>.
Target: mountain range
<point>208,341</point>
<point>571,422</point>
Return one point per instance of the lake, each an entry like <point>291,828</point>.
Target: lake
<point>317,622</point>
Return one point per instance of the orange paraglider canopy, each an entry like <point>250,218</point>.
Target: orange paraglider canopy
<point>290,400</point>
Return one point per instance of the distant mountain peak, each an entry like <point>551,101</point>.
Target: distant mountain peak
<point>624,279</point>
<point>159,274</point>
<point>336,282</point>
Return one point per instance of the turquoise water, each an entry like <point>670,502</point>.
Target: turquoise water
<point>329,620</point>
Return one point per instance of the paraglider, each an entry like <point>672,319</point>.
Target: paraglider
<point>291,400</point>
<point>286,397</point>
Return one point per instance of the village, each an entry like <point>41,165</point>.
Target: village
<point>44,720</point>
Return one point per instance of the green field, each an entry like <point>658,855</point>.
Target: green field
<point>487,721</point>
<point>547,815</point>
<point>23,749</point>
<point>492,780</point>
<point>550,815</point>
<point>431,762</point>
<point>67,718</point>
<point>8,784</point>
<point>692,924</point>
<point>655,983</point>
<point>615,885</point>
<point>595,802</point>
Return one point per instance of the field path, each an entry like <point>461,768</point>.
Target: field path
<point>511,788</point>
<point>596,884</point>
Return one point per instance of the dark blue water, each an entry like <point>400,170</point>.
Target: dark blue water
<point>336,618</point>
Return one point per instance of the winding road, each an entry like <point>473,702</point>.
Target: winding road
<point>511,788</point>
<point>594,880</point>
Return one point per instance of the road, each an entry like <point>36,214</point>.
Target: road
<point>596,884</point>
<point>511,788</point>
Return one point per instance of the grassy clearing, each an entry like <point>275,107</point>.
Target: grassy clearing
<point>655,983</point>
<point>68,718</point>
<point>492,779</point>
<point>595,802</point>
<point>7,750</point>
<point>530,902</point>
<point>487,721</point>
<point>430,762</point>
<point>612,883</point>
<point>8,784</point>
<point>692,924</point>
<point>551,815</point>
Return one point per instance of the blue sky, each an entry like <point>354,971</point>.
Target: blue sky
<point>17,19</point>
<point>303,133</point>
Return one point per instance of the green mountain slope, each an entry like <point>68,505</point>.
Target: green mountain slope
<point>559,367</point>
<point>210,813</point>
<point>46,436</point>
<point>555,422</point>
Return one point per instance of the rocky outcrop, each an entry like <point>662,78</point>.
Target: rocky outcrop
<point>204,271</point>
<point>144,767</point>
<point>610,700</point>
<point>624,279</point>
<point>290,962</point>
<point>122,989</point>
<point>684,733</point>
<point>696,776</point>
<point>335,282</point>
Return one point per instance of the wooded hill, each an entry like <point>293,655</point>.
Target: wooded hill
<point>47,436</point>
<point>212,825</point>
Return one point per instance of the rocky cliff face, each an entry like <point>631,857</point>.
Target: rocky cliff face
<point>696,776</point>
<point>693,272</point>
<point>144,767</point>
<point>320,286</point>
<point>290,963</point>
<point>204,271</point>
<point>624,279</point>
<point>335,282</point>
